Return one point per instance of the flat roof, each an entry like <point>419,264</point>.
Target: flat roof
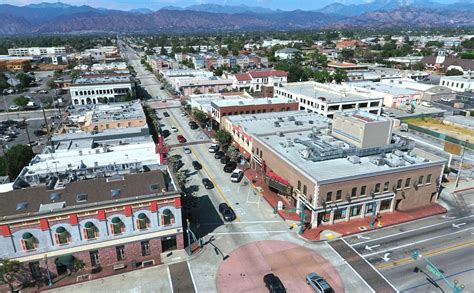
<point>293,147</point>
<point>247,102</point>
<point>99,113</point>
<point>362,116</point>
<point>464,78</point>
<point>331,92</point>
<point>102,80</point>
<point>392,89</point>
<point>112,133</point>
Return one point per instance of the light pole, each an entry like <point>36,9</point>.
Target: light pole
<point>190,235</point>
<point>374,209</point>
<point>50,282</point>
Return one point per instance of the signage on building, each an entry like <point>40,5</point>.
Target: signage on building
<point>452,148</point>
<point>280,186</point>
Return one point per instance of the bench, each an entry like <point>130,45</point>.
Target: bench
<point>119,266</point>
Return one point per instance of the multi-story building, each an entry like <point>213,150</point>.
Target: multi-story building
<point>286,53</point>
<point>393,96</point>
<point>273,42</point>
<point>328,99</point>
<point>256,80</point>
<point>162,62</point>
<point>202,102</point>
<point>463,83</point>
<point>347,44</point>
<point>37,51</point>
<point>16,64</point>
<point>340,174</point>
<point>104,88</point>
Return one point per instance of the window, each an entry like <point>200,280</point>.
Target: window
<point>95,260</point>
<point>428,179</point>
<point>385,186</point>
<point>420,180</point>
<point>90,231</point>
<point>399,183</point>
<point>407,182</point>
<point>385,204</point>
<point>167,217</point>
<point>145,248</point>
<point>117,226</point>
<point>354,192</point>
<point>362,190</point>
<point>120,250</point>
<point>299,185</point>
<point>369,208</point>
<point>305,190</point>
<point>28,242</point>
<point>377,188</point>
<point>339,195</point>
<point>355,210</point>
<point>329,196</point>
<point>62,236</point>
<point>35,270</point>
<point>142,222</point>
<point>340,214</point>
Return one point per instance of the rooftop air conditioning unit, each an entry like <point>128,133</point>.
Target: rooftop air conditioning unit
<point>353,159</point>
<point>291,118</point>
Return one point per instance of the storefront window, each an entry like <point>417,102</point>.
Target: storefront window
<point>355,210</point>
<point>369,207</point>
<point>340,214</point>
<point>385,204</point>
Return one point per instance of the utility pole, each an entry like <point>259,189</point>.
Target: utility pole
<point>45,120</point>
<point>460,164</point>
<point>27,132</point>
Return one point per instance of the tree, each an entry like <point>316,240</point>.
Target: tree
<point>453,72</point>
<point>25,79</point>
<point>339,76</point>
<point>9,270</point>
<point>51,84</point>
<point>347,54</point>
<point>14,159</point>
<point>200,116</point>
<point>438,44</point>
<point>74,74</point>
<point>322,76</point>
<point>163,51</point>
<point>78,265</point>
<point>223,136</point>
<point>180,179</point>
<point>223,51</point>
<point>21,101</point>
<point>233,153</point>
<point>418,66</point>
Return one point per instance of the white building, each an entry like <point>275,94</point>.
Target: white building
<point>327,99</point>
<point>94,90</point>
<point>255,80</point>
<point>287,53</point>
<point>37,51</point>
<point>273,42</point>
<point>461,83</point>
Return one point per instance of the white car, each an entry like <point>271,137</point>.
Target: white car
<point>444,99</point>
<point>213,148</point>
<point>187,150</point>
<point>174,129</point>
<point>6,138</point>
<point>236,175</point>
<point>13,108</point>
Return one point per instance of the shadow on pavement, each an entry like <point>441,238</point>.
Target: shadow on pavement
<point>203,216</point>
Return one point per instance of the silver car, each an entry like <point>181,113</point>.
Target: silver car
<point>318,284</point>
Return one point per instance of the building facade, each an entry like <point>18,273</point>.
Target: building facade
<point>37,51</point>
<point>106,88</point>
<point>463,83</point>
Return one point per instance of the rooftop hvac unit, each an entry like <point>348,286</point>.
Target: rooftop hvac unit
<point>290,143</point>
<point>291,118</point>
<point>398,153</point>
<point>377,161</point>
<point>328,139</point>
<point>276,124</point>
<point>280,134</point>
<point>326,131</point>
<point>353,159</point>
<point>299,123</point>
<point>305,154</point>
<point>311,122</point>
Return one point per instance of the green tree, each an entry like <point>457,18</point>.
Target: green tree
<point>468,55</point>
<point>9,270</point>
<point>21,101</point>
<point>74,74</point>
<point>347,54</point>
<point>3,82</point>
<point>51,83</point>
<point>78,265</point>
<point>468,44</point>
<point>322,76</point>
<point>434,44</point>
<point>180,179</point>
<point>339,76</point>
<point>418,66</point>
<point>223,136</point>
<point>25,79</point>
<point>453,72</point>
<point>200,116</point>
<point>223,51</point>
<point>233,153</point>
<point>14,159</point>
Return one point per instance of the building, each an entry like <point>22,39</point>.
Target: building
<point>162,62</point>
<point>331,179</point>
<point>222,108</point>
<point>347,44</point>
<point>254,81</point>
<point>202,102</point>
<point>393,96</point>
<point>37,51</point>
<point>105,88</point>
<point>17,64</point>
<point>327,99</point>
<point>347,66</point>
<point>443,63</point>
<point>463,83</point>
<point>188,82</point>
<point>273,42</point>
<point>428,92</point>
<point>406,60</point>
<point>286,53</point>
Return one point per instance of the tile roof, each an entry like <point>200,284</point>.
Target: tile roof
<point>267,73</point>
<point>243,76</point>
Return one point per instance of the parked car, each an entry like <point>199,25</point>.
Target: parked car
<point>273,284</point>
<point>197,166</point>
<point>236,175</point>
<point>6,138</point>
<point>207,183</point>
<point>219,154</point>
<point>174,129</point>
<point>225,159</point>
<point>227,212</point>
<point>166,114</point>
<point>162,87</point>
<point>184,114</point>
<point>13,108</point>
<point>213,148</point>
<point>194,126</point>
<point>33,143</point>
<point>181,138</point>
<point>187,150</point>
<point>446,99</point>
<point>229,167</point>
<point>426,104</point>
<point>43,91</point>
<point>165,133</point>
<point>318,284</point>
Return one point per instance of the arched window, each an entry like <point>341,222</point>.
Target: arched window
<point>90,231</point>
<point>142,222</point>
<point>62,236</point>
<point>167,217</point>
<point>117,226</point>
<point>28,242</point>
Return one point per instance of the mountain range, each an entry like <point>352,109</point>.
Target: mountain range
<point>64,18</point>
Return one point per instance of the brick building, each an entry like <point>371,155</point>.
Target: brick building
<point>109,223</point>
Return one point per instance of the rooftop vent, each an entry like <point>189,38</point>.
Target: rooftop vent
<point>55,196</point>
<point>311,122</point>
<point>353,159</point>
<point>299,123</point>
<point>377,161</point>
<point>115,192</point>
<point>21,206</point>
<point>291,118</point>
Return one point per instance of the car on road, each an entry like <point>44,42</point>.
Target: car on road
<point>227,212</point>
<point>193,125</point>
<point>33,143</point>
<point>318,283</point>
<point>273,284</point>
<point>184,114</point>
<point>187,150</point>
<point>197,166</point>
<point>165,133</point>
<point>6,138</point>
<point>43,91</point>
<point>213,148</point>
<point>174,129</point>
<point>207,183</point>
<point>166,114</point>
<point>426,104</point>
<point>163,100</point>
<point>236,175</point>
<point>225,159</point>
<point>13,108</point>
<point>229,167</point>
<point>162,87</point>
<point>219,154</point>
<point>181,138</point>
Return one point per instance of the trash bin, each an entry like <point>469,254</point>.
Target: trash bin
<point>134,264</point>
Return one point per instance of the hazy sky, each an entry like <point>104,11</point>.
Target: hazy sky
<point>156,4</point>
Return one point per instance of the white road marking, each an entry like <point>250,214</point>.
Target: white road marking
<point>448,217</point>
<point>458,225</point>
<point>192,277</point>
<point>363,237</point>
<point>370,248</point>
<point>385,257</point>
<point>248,232</point>
<point>169,278</point>
<point>414,243</point>
<point>412,230</point>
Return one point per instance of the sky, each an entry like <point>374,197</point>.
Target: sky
<point>157,4</point>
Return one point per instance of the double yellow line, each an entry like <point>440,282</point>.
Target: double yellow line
<point>428,253</point>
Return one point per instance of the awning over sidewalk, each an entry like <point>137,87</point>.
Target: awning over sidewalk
<point>64,260</point>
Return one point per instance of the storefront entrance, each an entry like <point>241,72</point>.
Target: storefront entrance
<point>168,243</point>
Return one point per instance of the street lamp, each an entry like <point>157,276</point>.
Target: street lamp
<point>50,282</point>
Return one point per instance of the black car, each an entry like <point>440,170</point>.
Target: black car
<point>166,114</point>
<point>219,154</point>
<point>193,125</point>
<point>225,160</point>
<point>197,165</point>
<point>229,167</point>
<point>227,212</point>
<point>273,284</point>
<point>207,183</point>
<point>165,133</point>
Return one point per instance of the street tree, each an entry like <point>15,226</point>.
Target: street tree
<point>223,136</point>
<point>21,101</point>
<point>9,271</point>
<point>25,79</point>
<point>180,179</point>
<point>453,72</point>
<point>233,153</point>
<point>14,159</point>
<point>339,76</point>
<point>200,116</point>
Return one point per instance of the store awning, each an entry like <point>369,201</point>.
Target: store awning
<point>60,230</point>
<point>89,225</point>
<point>64,260</point>
<point>142,216</point>
<point>27,236</point>
<point>116,220</point>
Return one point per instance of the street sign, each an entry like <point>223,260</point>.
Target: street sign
<point>452,148</point>
<point>434,271</point>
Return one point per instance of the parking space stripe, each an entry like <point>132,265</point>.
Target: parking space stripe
<point>169,278</point>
